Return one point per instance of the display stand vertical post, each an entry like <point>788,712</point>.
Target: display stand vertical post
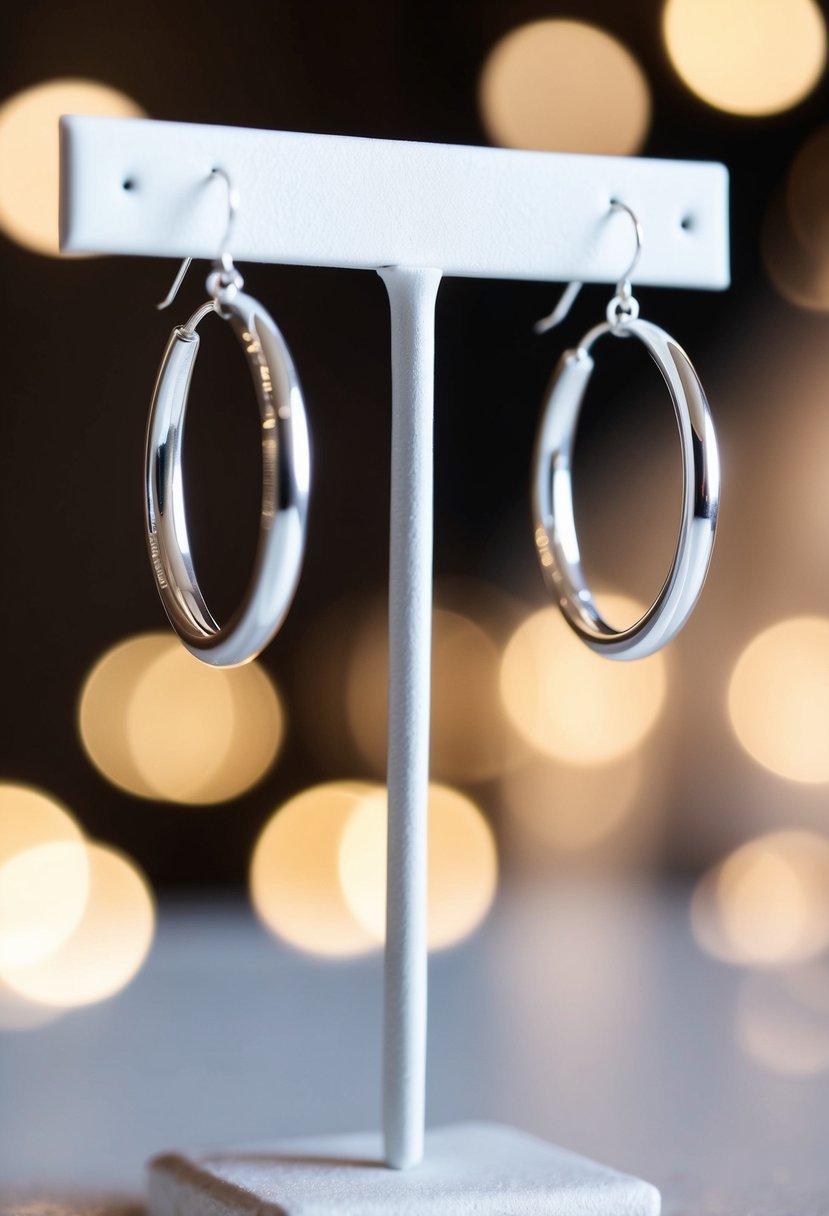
<point>412,296</point>
<point>413,211</point>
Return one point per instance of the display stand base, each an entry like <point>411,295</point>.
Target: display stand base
<point>479,1168</point>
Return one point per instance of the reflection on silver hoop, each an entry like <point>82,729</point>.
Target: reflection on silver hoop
<point>552,491</point>
<point>285,483</point>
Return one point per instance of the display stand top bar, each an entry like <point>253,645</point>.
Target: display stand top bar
<point>135,186</point>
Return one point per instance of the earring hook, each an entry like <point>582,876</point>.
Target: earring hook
<point>224,259</point>
<point>623,288</point>
<point>617,205</point>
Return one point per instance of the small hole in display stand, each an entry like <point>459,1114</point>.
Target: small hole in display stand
<point>129,183</point>
<point>687,223</point>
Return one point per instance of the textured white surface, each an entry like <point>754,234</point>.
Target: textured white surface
<point>339,201</point>
<point>412,296</point>
<point>469,1168</point>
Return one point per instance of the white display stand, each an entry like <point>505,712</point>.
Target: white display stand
<point>470,1169</point>
<point>413,212</point>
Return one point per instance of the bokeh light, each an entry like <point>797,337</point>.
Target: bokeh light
<point>102,709</point>
<point>564,86</point>
<point>18,1013</point>
<point>43,894</point>
<point>318,873</point>
<point>179,723</point>
<point>470,740</point>
<point>462,860</point>
<point>778,698</point>
<point>572,704</point>
<point>160,724</point>
<point>570,808</point>
<point>807,195</point>
<point>795,271</point>
<point>108,946</point>
<point>29,153</point>
<point>200,734</point>
<point>767,903</point>
<point>749,57</point>
<point>294,875</point>
<point>783,1020</point>
<point>795,234</point>
<point>44,875</point>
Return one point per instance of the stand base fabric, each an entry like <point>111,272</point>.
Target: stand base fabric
<point>479,1168</point>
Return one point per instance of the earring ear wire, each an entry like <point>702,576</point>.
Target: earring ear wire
<point>623,287</point>
<point>224,260</point>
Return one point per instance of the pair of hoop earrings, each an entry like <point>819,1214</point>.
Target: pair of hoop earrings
<point>286,472</point>
<point>552,490</point>
<point>286,476</point>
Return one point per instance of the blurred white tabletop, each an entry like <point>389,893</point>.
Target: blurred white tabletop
<point>582,1011</point>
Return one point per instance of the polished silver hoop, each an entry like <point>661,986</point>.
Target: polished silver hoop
<point>552,493</point>
<point>285,484</point>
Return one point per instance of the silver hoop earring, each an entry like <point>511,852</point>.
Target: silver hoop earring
<point>552,491</point>
<point>285,473</point>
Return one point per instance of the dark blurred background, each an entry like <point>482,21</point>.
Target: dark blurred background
<point>687,779</point>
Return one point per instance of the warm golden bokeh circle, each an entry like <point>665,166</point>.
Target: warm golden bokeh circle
<point>807,195</point>
<point>19,1014</point>
<point>572,704</point>
<point>767,903</point>
<point>294,874</point>
<point>160,724</point>
<point>568,808</point>
<point>44,875</point>
<point>179,724</point>
<point>462,862</point>
<point>470,741</point>
<point>107,947</point>
<point>43,895</point>
<point>29,184</point>
<point>796,271</point>
<point>564,86</point>
<point>749,57</point>
<point>778,698</point>
<point>102,709</point>
<point>201,734</point>
<point>318,872</point>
